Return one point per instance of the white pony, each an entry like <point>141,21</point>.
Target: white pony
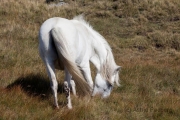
<point>69,45</point>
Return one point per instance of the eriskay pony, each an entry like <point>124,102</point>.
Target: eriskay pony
<point>69,45</point>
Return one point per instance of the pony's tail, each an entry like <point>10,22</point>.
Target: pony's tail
<point>69,63</point>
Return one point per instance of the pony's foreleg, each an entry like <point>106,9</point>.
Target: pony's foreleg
<point>67,93</point>
<point>53,81</point>
<point>87,74</point>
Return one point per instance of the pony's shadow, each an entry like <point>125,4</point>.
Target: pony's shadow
<point>35,85</point>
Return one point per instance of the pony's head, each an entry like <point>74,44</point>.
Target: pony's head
<point>104,86</point>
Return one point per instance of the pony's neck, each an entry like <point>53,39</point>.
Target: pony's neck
<point>102,49</point>
<point>104,52</point>
<point>107,62</point>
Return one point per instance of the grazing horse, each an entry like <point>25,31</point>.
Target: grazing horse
<point>69,45</point>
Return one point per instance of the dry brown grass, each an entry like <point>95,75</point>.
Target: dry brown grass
<point>145,39</point>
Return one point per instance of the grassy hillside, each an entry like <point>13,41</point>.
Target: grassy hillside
<point>145,39</point>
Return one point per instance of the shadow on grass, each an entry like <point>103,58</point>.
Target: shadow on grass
<point>35,85</point>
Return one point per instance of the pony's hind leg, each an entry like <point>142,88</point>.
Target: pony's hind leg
<point>53,81</point>
<point>73,86</point>
<point>67,86</point>
<point>67,93</point>
<point>70,81</point>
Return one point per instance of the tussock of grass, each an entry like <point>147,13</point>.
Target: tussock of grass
<point>145,39</point>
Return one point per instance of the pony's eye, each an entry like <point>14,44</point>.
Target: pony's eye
<point>109,85</point>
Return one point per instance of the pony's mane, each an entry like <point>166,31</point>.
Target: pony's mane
<point>107,68</point>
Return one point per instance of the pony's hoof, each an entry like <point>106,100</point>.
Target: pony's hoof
<point>56,107</point>
<point>69,107</point>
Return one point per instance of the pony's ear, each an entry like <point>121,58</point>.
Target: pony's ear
<point>117,69</point>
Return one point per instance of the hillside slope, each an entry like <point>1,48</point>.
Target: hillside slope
<point>145,39</point>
